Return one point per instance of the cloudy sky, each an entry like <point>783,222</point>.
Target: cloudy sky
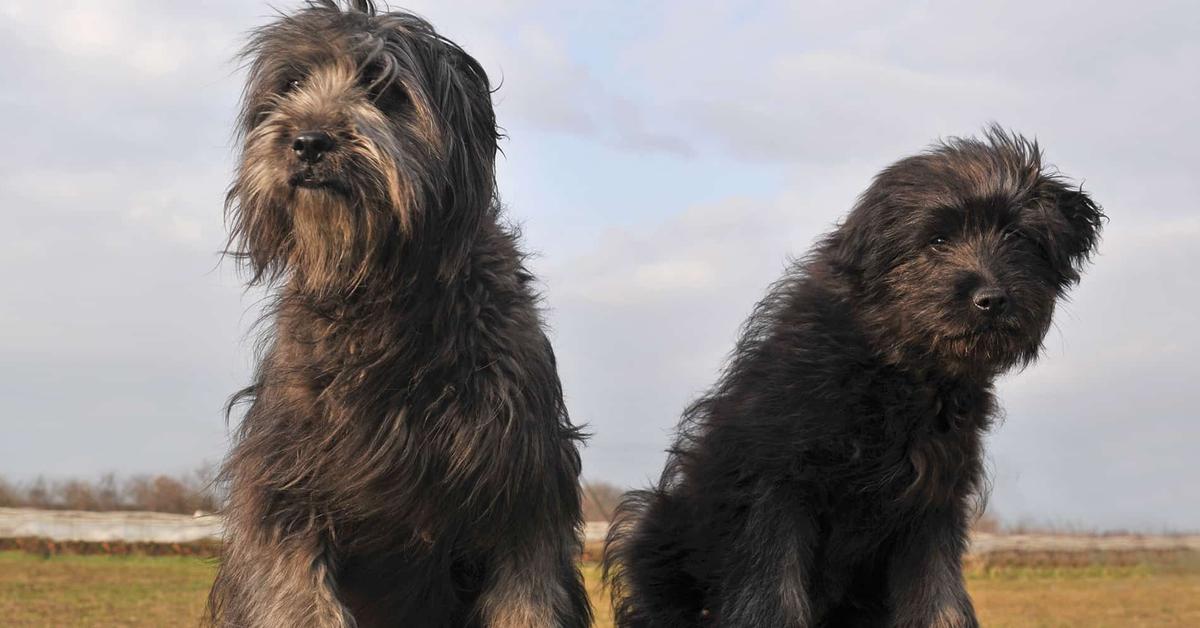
<point>665,160</point>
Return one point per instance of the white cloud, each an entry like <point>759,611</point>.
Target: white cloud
<point>87,30</point>
<point>832,82</point>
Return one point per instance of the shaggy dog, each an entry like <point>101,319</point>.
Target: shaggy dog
<point>406,459</point>
<point>829,477</point>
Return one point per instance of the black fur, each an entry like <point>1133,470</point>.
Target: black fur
<point>406,458</point>
<point>830,476</point>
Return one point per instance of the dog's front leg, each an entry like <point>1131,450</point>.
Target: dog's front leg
<point>925,579</point>
<point>767,567</point>
<point>534,584</point>
<point>269,578</point>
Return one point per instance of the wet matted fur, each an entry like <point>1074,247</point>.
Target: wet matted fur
<point>830,476</point>
<point>406,458</point>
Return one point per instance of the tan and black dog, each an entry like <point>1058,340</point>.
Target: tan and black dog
<point>406,458</point>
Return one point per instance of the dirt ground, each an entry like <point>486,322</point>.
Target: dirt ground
<point>170,590</point>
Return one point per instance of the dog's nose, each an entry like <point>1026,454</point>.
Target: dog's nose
<point>990,300</point>
<point>310,146</point>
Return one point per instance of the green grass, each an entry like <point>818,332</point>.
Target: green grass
<point>170,591</point>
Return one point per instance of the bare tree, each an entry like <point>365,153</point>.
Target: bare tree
<point>599,500</point>
<point>9,496</point>
<point>184,493</point>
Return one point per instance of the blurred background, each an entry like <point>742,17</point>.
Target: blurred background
<point>664,159</point>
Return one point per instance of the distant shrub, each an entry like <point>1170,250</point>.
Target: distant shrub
<point>184,493</point>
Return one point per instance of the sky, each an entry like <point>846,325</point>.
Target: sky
<point>665,160</point>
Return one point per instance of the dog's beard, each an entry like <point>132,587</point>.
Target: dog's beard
<point>969,346</point>
<point>335,242</point>
<point>992,348</point>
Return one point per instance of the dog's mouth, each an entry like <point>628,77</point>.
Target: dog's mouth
<point>309,179</point>
<point>994,329</point>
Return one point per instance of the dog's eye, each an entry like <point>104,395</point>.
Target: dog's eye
<point>291,85</point>
<point>938,243</point>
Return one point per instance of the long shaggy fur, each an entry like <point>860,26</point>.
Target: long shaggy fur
<point>829,478</point>
<point>406,458</point>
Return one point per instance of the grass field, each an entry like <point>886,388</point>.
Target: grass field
<point>169,591</point>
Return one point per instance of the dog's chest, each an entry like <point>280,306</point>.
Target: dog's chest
<point>941,466</point>
<point>926,453</point>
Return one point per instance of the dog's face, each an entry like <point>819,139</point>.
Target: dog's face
<point>362,133</point>
<point>963,251</point>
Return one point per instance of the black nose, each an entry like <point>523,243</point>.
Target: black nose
<point>990,300</point>
<point>310,146</point>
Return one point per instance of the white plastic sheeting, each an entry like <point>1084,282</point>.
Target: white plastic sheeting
<point>157,527</point>
<point>75,525</point>
<point>595,531</point>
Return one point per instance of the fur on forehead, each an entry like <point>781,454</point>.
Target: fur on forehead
<point>960,171</point>
<point>393,48</point>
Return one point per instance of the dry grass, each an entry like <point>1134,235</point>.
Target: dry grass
<point>600,605</point>
<point>1112,598</point>
<point>169,591</point>
<point>102,590</point>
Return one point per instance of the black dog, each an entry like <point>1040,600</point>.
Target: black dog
<point>828,479</point>
<point>407,459</point>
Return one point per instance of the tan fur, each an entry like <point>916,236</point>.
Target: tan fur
<point>524,592</point>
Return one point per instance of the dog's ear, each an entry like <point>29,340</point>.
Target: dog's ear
<point>463,101</point>
<point>450,89</point>
<point>865,245</point>
<point>849,247</point>
<point>1074,227</point>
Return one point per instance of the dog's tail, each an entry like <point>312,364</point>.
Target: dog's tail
<point>645,558</point>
